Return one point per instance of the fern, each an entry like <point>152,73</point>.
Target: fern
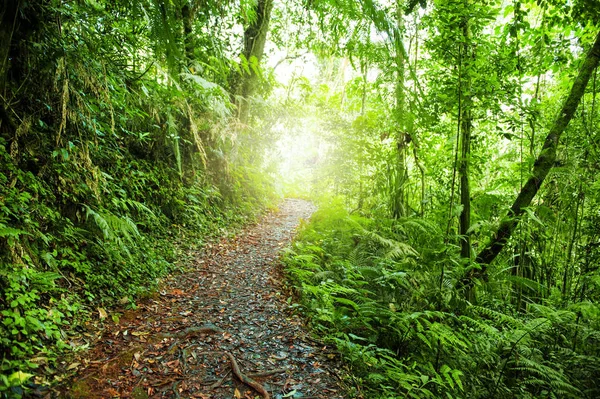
<point>546,376</point>
<point>394,248</point>
<point>321,276</point>
<point>499,317</point>
<point>10,232</point>
<point>112,227</point>
<point>425,339</point>
<point>480,325</point>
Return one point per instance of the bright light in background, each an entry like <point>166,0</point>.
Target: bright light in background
<point>298,153</point>
<point>300,148</point>
<point>286,69</point>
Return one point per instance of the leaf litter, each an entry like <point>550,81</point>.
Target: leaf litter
<point>224,329</point>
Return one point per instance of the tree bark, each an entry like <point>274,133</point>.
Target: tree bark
<point>465,140</point>
<point>255,37</point>
<point>544,162</point>
<point>401,172</point>
<point>8,16</point>
<point>187,15</point>
<point>8,23</point>
<point>465,190</point>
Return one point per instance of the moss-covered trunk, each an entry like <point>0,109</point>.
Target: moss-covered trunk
<point>255,37</point>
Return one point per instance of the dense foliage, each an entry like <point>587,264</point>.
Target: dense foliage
<point>453,146</point>
<point>459,255</point>
<point>385,292</point>
<point>117,141</point>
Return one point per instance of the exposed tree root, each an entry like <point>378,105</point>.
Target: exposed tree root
<point>243,377</point>
<point>191,332</point>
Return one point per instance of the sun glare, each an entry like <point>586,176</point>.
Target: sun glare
<point>298,154</point>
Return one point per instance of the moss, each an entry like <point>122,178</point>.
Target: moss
<point>81,390</point>
<point>139,393</point>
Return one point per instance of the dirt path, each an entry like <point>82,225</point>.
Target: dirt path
<point>228,311</point>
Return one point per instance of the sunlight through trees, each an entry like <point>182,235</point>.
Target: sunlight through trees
<point>452,147</point>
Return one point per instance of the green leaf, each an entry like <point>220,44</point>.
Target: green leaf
<point>10,232</point>
<point>18,378</point>
<point>533,217</point>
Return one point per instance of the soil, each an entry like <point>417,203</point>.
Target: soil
<point>224,329</point>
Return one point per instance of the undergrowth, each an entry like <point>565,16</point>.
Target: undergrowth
<point>106,180</point>
<point>116,158</point>
<point>67,252</point>
<point>387,294</point>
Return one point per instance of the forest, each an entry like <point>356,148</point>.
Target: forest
<point>451,147</point>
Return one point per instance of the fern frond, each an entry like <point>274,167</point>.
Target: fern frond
<point>320,276</point>
<point>479,325</point>
<point>113,227</point>
<point>498,317</point>
<point>395,249</point>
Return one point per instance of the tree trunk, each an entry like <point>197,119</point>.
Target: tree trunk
<point>255,37</point>
<point>398,193</point>
<point>465,191</point>
<point>465,103</point>
<point>187,15</point>
<point>566,276</point>
<point>544,162</point>
<point>8,16</point>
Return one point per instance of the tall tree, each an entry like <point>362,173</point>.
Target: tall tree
<point>8,19</point>
<point>400,173</point>
<point>255,37</point>
<point>544,162</point>
<point>188,14</point>
<point>465,122</point>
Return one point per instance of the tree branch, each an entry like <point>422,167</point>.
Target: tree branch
<point>544,162</point>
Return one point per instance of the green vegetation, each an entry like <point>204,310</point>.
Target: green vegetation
<point>116,153</point>
<point>452,145</point>
<point>385,292</point>
<point>455,252</point>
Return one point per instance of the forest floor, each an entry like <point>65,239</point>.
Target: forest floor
<point>223,329</point>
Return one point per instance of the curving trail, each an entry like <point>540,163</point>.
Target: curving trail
<point>222,330</point>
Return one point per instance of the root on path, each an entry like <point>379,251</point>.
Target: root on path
<point>246,379</point>
<point>229,304</point>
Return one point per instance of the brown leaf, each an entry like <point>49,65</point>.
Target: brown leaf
<point>102,313</point>
<point>73,366</point>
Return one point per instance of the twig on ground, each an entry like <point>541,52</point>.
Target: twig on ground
<point>220,381</point>
<point>266,373</point>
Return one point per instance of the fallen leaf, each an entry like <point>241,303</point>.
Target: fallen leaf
<point>73,366</point>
